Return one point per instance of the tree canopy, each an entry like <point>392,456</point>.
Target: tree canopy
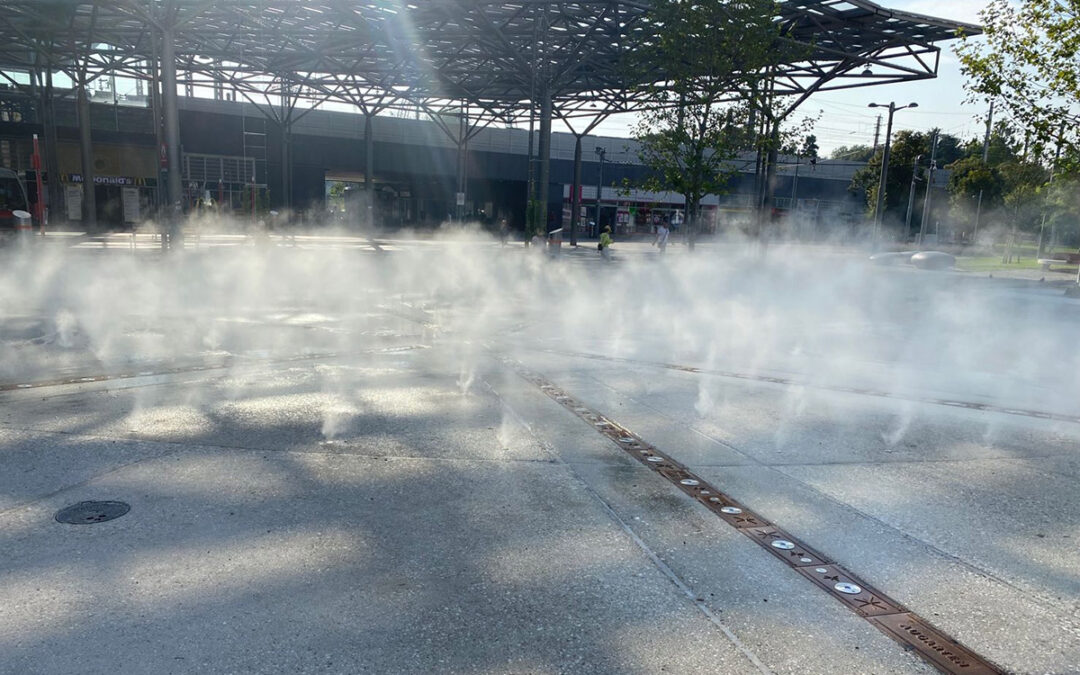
<point>853,153</point>
<point>708,59</point>
<point>906,146</point>
<point>1029,60</point>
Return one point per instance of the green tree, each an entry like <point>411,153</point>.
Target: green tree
<point>1024,184</point>
<point>970,177</point>
<point>853,153</point>
<point>806,146</point>
<point>906,146</point>
<point>1028,61</point>
<point>703,62</point>
<point>336,195</point>
<point>1004,145</point>
<point>1063,211</point>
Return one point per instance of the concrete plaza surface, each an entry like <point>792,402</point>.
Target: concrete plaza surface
<point>394,498</point>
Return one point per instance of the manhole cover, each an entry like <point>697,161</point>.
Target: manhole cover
<point>85,513</point>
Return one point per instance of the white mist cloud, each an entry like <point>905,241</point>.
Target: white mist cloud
<point>812,316</point>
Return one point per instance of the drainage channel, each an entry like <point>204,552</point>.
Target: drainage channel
<point>228,363</point>
<point>970,405</point>
<point>887,615</point>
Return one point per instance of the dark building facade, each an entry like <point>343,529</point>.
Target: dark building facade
<point>242,161</point>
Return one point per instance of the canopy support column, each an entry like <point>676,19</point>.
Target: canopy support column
<point>171,122</point>
<point>86,148</point>
<point>545,161</point>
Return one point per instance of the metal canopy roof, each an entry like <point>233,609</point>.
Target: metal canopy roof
<point>492,56</point>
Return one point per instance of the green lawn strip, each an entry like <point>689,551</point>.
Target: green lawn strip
<point>994,264</point>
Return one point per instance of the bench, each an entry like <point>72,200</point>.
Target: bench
<point>1062,259</point>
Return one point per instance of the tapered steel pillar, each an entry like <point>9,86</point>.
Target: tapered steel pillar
<point>286,165</point>
<point>171,122</point>
<point>462,167</point>
<point>545,161</point>
<point>86,148</point>
<point>369,171</point>
<point>52,157</point>
<point>575,195</point>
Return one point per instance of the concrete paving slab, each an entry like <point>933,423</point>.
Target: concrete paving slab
<point>983,512</point>
<point>774,611</point>
<point>34,464</point>
<point>949,537</point>
<point>295,406</point>
<point>1016,624</point>
<point>781,424</point>
<point>266,560</point>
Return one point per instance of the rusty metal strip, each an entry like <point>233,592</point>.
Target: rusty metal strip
<point>227,363</point>
<point>862,391</point>
<point>886,614</point>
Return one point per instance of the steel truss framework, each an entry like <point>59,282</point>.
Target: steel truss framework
<point>497,58</point>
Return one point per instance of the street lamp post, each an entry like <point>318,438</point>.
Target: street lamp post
<point>885,163</point>
<point>599,184</point>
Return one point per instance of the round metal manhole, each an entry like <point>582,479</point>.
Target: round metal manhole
<point>88,513</point>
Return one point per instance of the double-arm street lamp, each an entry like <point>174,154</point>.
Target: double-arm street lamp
<point>885,163</point>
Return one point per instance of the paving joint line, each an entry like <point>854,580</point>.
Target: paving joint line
<point>843,389</point>
<point>887,615</point>
<point>203,367</point>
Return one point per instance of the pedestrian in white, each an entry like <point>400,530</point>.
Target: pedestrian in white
<point>662,233</point>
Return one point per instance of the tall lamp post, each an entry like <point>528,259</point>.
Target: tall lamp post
<point>599,184</point>
<point>885,163</point>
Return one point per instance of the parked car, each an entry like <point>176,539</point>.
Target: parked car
<point>12,198</point>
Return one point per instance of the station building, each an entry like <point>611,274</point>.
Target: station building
<point>233,156</point>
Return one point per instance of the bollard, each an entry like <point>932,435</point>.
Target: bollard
<point>24,225</point>
<point>555,242</point>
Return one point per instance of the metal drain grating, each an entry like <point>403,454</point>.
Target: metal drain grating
<point>88,513</point>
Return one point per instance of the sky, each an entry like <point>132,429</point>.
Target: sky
<point>845,118</point>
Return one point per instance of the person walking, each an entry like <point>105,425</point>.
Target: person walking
<point>662,233</point>
<point>605,243</point>
<point>504,232</point>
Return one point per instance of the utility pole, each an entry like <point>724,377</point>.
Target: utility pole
<point>986,160</point>
<point>911,195</point>
<point>929,188</point>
